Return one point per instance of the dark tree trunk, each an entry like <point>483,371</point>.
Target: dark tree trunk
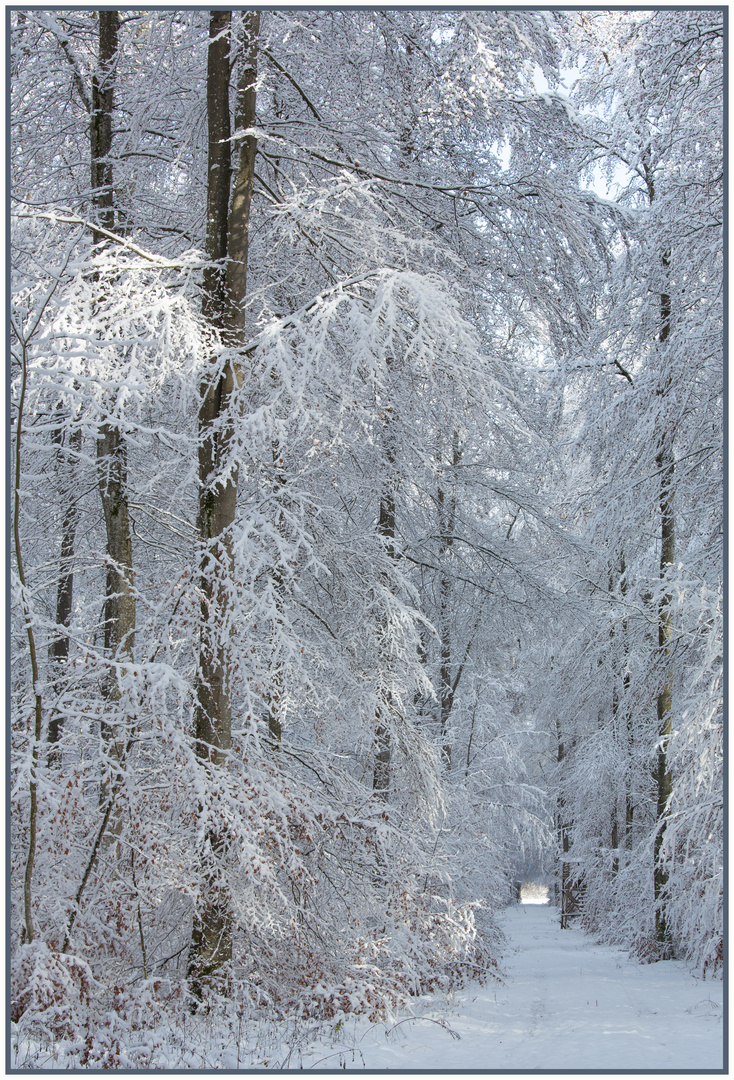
<point>225,288</point>
<point>103,85</point>
<point>572,885</point>
<point>383,751</point>
<point>665,696</point>
<point>629,804</point>
<point>621,719</point>
<point>562,830</point>
<point>211,937</point>
<point>447,681</point>
<point>119,609</point>
<point>239,213</point>
<point>217,501</point>
<point>665,462</point>
<point>386,528</point>
<point>58,651</point>
<point>277,673</point>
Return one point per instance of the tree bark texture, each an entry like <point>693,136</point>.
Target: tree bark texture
<point>572,885</point>
<point>225,287</point>
<point>58,650</point>
<point>383,750</point>
<point>665,462</point>
<point>629,799</point>
<point>103,82</point>
<point>119,609</point>
<point>239,212</point>
<point>663,776</point>
<point>119,621</point>
<point>276,681</point>
<point>447,687</point>
<point>562,829</point>
<point>211,937</point>
<point>386,530</point>
<point>621,720</point>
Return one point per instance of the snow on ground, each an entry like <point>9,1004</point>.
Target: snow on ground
<point>564,1003</point>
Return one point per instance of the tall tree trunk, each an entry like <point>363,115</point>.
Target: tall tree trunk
<point>225,287</point>
<point>386,529</point>
<point>211,938</point>
<point>277,674</point>
<point>100,133</point>
<point>666,468</point>
<point>383,751</point>
<point>562,830</point>
<point>620,724</point>
<point>572,883</point>
<point>665,461</point>
<point>446,694</point>
<point>629,803</point>
<point>119,610</point>
<point>239,213</point>
<point>58,650</point>
<point>615,840</point>
<point>217,501</point>
<point>446,525</point>
<point>560,814</point>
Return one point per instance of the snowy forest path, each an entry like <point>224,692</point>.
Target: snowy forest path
<point>564,1003</point>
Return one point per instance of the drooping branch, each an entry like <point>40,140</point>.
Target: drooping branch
<point>63,218</point>
<point>292,81</point>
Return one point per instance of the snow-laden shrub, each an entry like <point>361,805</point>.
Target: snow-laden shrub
<point>50,992</point>
<point>63,1017</point>
<point>694,827</point>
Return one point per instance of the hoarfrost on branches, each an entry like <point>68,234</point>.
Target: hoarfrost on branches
<point>342,601</point>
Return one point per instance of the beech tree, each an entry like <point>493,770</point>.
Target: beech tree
<point>656,85</point>
<point>350,438</point>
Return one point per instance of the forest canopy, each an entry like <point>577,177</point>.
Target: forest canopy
<point>366,395</point>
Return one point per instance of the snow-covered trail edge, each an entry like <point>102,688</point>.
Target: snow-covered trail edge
<point>565,1003</point>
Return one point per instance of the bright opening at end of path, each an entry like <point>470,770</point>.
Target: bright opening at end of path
<point>533,893</point>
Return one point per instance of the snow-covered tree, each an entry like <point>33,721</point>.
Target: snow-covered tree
<point>337,390</point>
<point>649,102</point>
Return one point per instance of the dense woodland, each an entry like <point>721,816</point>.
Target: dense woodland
<point>366,387</point>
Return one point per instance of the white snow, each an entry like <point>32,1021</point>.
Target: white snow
<point>564,1003</point>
